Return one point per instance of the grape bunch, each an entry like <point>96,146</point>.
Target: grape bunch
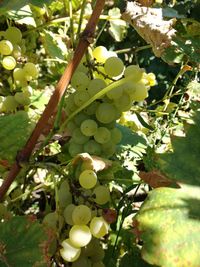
<point>111,91</point>
<point>12,49</point>
<point>83,220</point>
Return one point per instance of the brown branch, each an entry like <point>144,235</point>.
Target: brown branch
<point>49,111</point>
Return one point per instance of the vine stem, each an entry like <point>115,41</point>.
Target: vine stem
<point>25,153</point>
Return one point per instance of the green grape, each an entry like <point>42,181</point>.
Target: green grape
<point>64,194</point>
<point>102,194</point>
<point>81,215</point>
<point>116,135</point>
<point>88,179</point>
<point>17,52</point>
<point>109,148</point>
<point>9,62</point>
<point>70,106</point>
<point>14,35</point>
<point>80,97</point>
<point>94,250</point>
<point>18,74</point>
<point>135,72</point>
<point>100,53</point>
<point>87,165</point>
<point>106,113</point>
<point>22,98</point>
<point>98,264</point>
<point>91,109</point>
<point>95,86</point>
<point>9,104</point>
<point>92,147</point>
<point>115,93</point>
<point>53,220</point>
<point>114,66</point>
<point>75,149</point>
<point>102,135</point>
<point>71,126</point>
<point>82,262</point>
<point>68,214</point>
<point>80,117</point>
<point>140,92</point>
<point>123,103</point>
<point>79,80</point>
<point>69,252</point>
<point>98,227</point>
<point>80,235</point>
<point>78,137</point>
<point>30,70</point>
<point>89,127</point>
<point>6,47</point>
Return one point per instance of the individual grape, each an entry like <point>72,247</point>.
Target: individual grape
<point>115,93</point>
<point>109,148</point>
<point>80,97</point>
<point>28,90</point>
<point>69,252</point>
<point>78,137</point>
<point>123,103</point>
<point>102,194</point>
<point>17,52</point>
<point>79,80</point>
<point>81,215</point>
<point>18,74</point>
<point>80,117</point>
<point>64,194</point>
<point>30,70</point>
<point>91,109</point>
<point>92,147</point>
<point>114,66</point>
<point>9,62</point>
<point>22,98</point>
<point>68,214</point>
<point>53,220</point>
<point>9,104</point>
<point>100,53</point>
<point>6,47</point>
<point>80,235</point>
<point>82,262</point>
<point>70,106</point>
<point>95,86</point>
<point>116,135</point>
<point>94,251</point>
<point>98,264</point>
<point>140,92</point>
<point>75,149</point>
<point>98,227</point>
<point>135,72</point>
<point>88,179</point>
<point>89,127</point>
<point>102,135</point>
<point>14,35</point>
<point>106,113</point>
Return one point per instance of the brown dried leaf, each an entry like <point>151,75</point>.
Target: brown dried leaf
<point>98,164</point>
<point>151,26</point>
<point>156,179</point>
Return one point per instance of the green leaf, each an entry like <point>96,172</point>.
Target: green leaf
<point>23,242</point>
<point>169,225</point>
<point>117,27</point>
<point>51,46</point>
<point>14,131</point>
<point>183,164</point>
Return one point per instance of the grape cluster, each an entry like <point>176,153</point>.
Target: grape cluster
<point>84,221</point>
<point>93,130</point>
<point>12,48</point>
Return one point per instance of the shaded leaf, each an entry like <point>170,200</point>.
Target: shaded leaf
<point>23,243</point>
<point>183,164</point>
<point>14,131</point>
<point>169,225</point>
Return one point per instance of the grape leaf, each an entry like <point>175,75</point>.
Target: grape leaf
<point>23,242</point>
<point>183,164</point>
<point>168,224</point>
<point>6,5</point>
<point>14,131</point>
<point>117,27</point>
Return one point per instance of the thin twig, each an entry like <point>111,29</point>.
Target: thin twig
<point>25,153</point>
